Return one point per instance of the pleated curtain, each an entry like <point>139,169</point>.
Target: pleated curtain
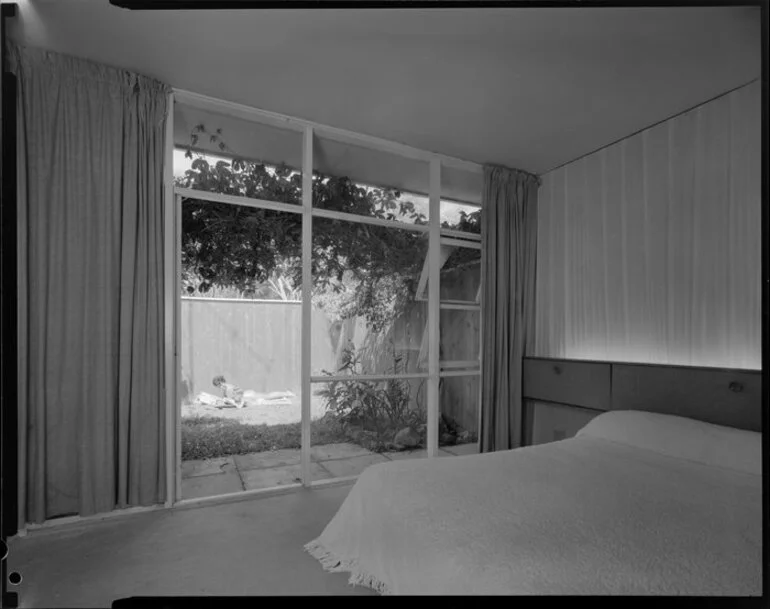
<point>91,375</point>
<point>509,249</point>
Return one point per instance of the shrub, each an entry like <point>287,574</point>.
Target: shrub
<point>372,411</point>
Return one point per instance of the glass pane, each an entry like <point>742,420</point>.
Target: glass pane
<point>460,275</point>
<point>461,199</point>
<point>240,348</point>
<point>461,184</point>
<point>459,414</point>
<point>227,155</point>
<point>366,317</point>
<point>232,251</point>
<point>368,182</point>
<point>459,329</point>
<point>460,339</point>
<point>367,422</point>
<point>460,216</point>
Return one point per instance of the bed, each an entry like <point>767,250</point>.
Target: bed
<point>637,503</point>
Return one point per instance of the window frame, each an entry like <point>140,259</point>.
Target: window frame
<point>433,231</point>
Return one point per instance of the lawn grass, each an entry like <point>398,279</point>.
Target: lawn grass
<point>205,437</point>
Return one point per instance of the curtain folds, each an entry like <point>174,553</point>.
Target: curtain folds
<point>91,365</point>
<point>509,242</point>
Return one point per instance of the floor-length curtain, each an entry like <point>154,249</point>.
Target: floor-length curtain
<point>91,373</point>
<point>649,250</point>
<point>509,247</point>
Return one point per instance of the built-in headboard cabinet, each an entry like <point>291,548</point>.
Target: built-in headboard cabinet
<point>561,396</point>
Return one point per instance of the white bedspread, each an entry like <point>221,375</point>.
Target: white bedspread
<point>580,516</point>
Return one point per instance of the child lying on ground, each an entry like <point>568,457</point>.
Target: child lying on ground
<point>237,397</point>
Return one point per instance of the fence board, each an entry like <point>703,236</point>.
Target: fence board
<point>253,343</point>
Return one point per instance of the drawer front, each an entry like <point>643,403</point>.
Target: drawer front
<point>584,384</point>
<point>554,422</point>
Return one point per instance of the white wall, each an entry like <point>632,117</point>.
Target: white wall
<point>649,250</point>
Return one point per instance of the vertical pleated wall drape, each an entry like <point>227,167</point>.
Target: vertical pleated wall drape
<point>91,376</point>
<point>649,250</point>
<point>509,247</point>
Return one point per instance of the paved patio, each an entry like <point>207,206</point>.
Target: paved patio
<point>280,467</point>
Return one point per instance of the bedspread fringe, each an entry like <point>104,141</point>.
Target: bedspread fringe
<point>332,564</point>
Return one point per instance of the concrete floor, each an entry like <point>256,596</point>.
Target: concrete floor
<point>247,548</point>
<point>252,547</point>
<point>225,475</point>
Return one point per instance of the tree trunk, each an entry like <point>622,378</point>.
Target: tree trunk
<point>347,332</point>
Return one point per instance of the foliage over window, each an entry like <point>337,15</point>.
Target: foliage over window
<point>358,269</point>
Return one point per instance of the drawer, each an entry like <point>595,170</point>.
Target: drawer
<point>570,382</point>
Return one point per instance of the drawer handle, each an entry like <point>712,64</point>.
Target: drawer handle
<point>736,387</point>
<point>557,370</point>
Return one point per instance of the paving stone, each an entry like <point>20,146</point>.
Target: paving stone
<point>414,454</point>
<point>207,467</point>
<point>463,449</point>
<point>406,454</point>
<point>352,466</point>
<point>279,476</point>
<point>278,458</point>
<point>325,452</point>
<point>208,486</point>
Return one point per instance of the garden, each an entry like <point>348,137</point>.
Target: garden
<point>363,276</point>
<point>380,417</point>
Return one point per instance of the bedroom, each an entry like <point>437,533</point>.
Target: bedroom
<point>615,266</point>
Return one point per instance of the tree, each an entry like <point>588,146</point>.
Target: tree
<point>358,269</point>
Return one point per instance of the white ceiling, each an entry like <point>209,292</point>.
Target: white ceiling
<point>526,88</point>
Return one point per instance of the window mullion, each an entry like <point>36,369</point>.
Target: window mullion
<point>307,253</point>
<point>434,305</point>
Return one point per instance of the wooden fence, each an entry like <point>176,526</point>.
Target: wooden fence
<point>257,345</point>
<point>253,343</point>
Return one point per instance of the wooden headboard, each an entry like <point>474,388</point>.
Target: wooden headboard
<point>728,397</point>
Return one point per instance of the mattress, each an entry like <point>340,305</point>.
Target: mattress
<point>583,516</point>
